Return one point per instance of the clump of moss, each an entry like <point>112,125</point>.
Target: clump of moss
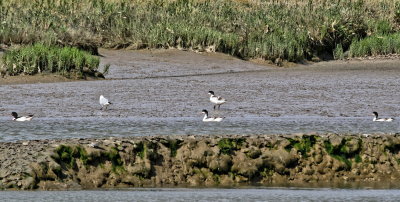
<point>357,158</point>
<point>140,149</point>
<point>228,145</point>
<point>342,152</point>
<point>253,153</point>
<point>173,145</point>
<point>116,161</point>
<point>67,155</point>
<point>303,145</point>
<point>393,148</point>
<point>267,172</point>
<point>146,150</point>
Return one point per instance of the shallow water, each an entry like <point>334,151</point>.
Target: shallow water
<point>163,93</point>
<point>97,127</point>
<point>206,195</point>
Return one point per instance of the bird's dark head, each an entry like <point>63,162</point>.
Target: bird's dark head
<point>14,114</point>
<point>204,111</point>
<point>211,92</point>
<point>375,113</point>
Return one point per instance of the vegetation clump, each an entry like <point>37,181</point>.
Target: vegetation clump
<point>229,145</point>
<point>173,145</point>
<point>344,151</point>
<point>67,155</point>
<point>116,161</point>
<point>39,58</point>
<point>303,145</point>
<point>376,45</point>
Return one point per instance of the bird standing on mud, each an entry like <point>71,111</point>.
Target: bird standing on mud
<point>104,102</point>
<point>21,118</point>
<point>217,100</point>
<point>381,119</point>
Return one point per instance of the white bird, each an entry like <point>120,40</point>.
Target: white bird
<point>21,118</point>
<point>381,119</point>
<point>217,100</point>
<point>104,102</point>
<point>210,119</point>
<point>93,145</point>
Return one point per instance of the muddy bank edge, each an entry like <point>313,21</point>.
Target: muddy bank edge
<point>200,161</point>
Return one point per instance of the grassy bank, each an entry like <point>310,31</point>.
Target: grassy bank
<point>38,58</point>
<point>291,29</point>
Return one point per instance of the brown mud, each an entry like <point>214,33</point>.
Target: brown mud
<point>202,161</point>
<point>146,83</point>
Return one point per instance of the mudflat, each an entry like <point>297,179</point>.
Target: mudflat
<point>173,83</point>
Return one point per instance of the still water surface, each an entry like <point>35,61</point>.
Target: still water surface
<point>206,195</point>
<point>97,127</point>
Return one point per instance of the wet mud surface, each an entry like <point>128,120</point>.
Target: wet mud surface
<point>170,87</point>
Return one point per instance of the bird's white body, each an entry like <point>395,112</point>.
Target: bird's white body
<point>217,100</point>
<point>104,102</point>
<point>376,119</point>
<point>21,118</point>
<point>210,119</point>
<point>383,119</point>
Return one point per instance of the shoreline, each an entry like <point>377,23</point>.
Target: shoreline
<point>235,161</point>
<point>167,55</point>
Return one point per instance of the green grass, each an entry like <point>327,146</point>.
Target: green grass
<point>39,58</point>
<point>293,29</point>
<point>376,45</point>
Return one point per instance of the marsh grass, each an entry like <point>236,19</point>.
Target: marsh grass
<point>376,45</point>
<point>39,58</point>
<point>292,29</point>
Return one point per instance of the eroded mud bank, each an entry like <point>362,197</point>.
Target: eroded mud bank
<point>156,161</point>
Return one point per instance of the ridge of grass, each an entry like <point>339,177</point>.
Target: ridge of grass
<point>40,58</point>
<point>293,30</point>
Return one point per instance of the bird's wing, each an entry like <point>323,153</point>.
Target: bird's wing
<point>220,98</point>
<point>103,100</point>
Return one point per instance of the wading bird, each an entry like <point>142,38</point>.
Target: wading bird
<point>217,100</point>
<point>104,102</point>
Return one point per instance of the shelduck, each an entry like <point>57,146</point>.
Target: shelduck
<point>210,119</point>
<point>381,119</point>
<point>21,118</point>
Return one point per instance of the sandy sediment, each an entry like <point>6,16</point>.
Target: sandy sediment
<point>201,161</point>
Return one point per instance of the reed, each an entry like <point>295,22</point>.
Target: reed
<point>291,29</point>
<point>39,58</point>
<point>376,45</point>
